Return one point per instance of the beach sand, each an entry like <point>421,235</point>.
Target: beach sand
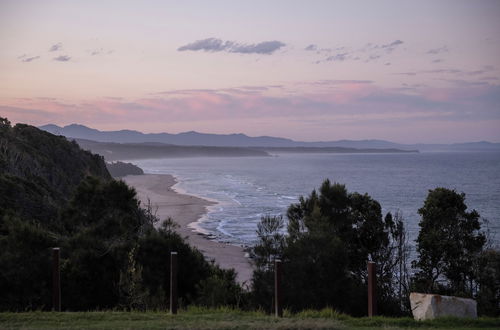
<point>185,209</point>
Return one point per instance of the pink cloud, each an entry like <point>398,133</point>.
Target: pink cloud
<point>353,103</point>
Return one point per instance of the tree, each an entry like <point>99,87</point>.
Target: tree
<point>271,242</point>
<point>448,244</point>
<point>4,123</point>
<point>488,270</point>
<point>331,235</point>
<point>220,289</point>
<point>393,267</point>
<point>100,229</point>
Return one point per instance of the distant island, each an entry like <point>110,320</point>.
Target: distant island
<point>76,131</point>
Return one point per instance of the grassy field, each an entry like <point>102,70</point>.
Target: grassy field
<point>223,318</point>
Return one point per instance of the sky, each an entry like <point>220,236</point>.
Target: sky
<point>404,71</point>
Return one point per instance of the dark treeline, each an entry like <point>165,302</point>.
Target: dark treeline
<point>114,256</point>
<point>332,233</point>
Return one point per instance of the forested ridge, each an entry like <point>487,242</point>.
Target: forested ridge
<point>39,171</point>
<point>54,194</point>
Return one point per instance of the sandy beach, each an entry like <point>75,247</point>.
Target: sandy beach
<point>186,209</point>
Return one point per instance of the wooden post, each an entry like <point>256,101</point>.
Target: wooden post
<point>173,282</point>
<point>372,292</point>
<point>56,281</point>
<point>278,308</point>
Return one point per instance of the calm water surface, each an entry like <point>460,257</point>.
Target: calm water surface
<point>248,188</point>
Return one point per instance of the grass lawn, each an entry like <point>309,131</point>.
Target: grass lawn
<point>224,318</point>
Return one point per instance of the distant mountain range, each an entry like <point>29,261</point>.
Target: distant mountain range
<point>241,140</point>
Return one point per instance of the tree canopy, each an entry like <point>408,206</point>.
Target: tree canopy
<point>448,244</point>
<point>331,235</point>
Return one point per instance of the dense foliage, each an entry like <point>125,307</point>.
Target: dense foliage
<point>452,258</point>
<point>112,254</point>
<point>39,171</point>
<point>488,282</point>
<point>331,235</point>
<point>448,243</point>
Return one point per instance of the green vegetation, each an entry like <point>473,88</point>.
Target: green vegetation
<point>226,318</point>
<point>332,233</point>
<point>448,243</point>
<point>330,236</point>
<point>452,259</point>
<point>112,256</point>
<point>39,171</point>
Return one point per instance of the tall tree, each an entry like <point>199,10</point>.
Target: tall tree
<point>331,235</point>
<point>448,244</point>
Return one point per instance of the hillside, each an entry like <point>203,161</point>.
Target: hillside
<point>39,171</point>
<point>54,194</point>
<point>128,151</point>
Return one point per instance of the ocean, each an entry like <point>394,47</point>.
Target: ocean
<point>248,188</point>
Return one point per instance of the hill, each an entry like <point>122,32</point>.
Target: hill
<point>54,194</point>
<point>120,151</point>
<point>182,139</point>
<point>241,140</point>
<point>39,171</point>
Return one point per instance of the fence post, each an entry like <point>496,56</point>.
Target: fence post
<point>372,292</point>
<point>56,281</point>
<point>278,308</point>
<point>173,282</point>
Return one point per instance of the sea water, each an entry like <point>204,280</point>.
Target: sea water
<point>247,188</point>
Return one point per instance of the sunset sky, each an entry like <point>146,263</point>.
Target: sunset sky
<point>404,71</point>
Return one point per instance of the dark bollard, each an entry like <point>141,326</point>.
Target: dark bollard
<point>372,285</point>
<point>173,282</point>
<point>277,289</point>
<point>56,281</point>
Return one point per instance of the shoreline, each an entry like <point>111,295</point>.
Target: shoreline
<point>195,225</point>
<point>187,211</point>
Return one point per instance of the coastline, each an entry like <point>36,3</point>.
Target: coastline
<point>186,210</point>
